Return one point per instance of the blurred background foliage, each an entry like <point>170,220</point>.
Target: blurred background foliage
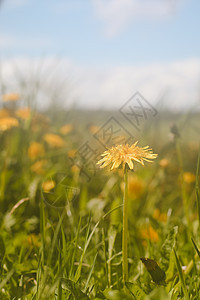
<point>61,230</point>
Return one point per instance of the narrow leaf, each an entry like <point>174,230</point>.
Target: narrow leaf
<point>90,274</point>
<point>196,248</point>
<point>181,276</point>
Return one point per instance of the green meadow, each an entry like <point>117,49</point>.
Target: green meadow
<point>61,215</point>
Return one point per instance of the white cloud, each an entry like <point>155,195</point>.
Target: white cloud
<point>109,87</point>
<point>118,14</point>
<point>179,82</point>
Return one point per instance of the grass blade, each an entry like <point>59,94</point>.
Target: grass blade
<point>42,230</point>
<point>90,274</point>
<point>78,271</point>
<point>197,187</point>
<point>6,279</point>
<point>196,248</point>
<point>75,248</point>
<point>112,233</point>
<point>105,254</point>
<point>180,272</point>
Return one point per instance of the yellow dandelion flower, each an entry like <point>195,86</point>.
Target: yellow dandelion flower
<point>125,154</point>
<point>162,217</point>
<point>35,150</point>
<point>48,185</point>
<point>150,234</point>
<point>38,167</point>
<point>54,140</point>
<point>10,97</point>
<point>7,123</point>
<point>164,163</point>
<point>65,129</point>
<point>4,113</point>
<point>71,153</point>
<point>189,177</point>
<point>23,113</point>
<point>75,169</point>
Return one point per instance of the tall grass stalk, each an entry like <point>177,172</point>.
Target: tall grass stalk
<point>197,188</point>
<point>125,229</point>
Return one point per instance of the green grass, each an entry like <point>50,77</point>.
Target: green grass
<point>69,246</point>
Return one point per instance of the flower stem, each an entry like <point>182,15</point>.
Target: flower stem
<point>125,229</point>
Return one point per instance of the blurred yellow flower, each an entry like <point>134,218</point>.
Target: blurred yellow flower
<point>125,154</point>
<point>35,150</point>
<point>7,123</point>
<point>136,186</point>
<point>33,240</point>
<point>23,113</point>
<point>48,185</point>
<point>10,97</point>
<point>162,217</point>
<point>54,140</point>
<point>5,113</point>
<point>75,169</point>
<point>93,129</point>
<point>164,163</point>
<point>150,234</point>
<point>38,167</point>
<point>189,177</point>
<point>71,153</point>
<point>65,129</point>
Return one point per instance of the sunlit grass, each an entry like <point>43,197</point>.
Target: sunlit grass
<point>61,235</point>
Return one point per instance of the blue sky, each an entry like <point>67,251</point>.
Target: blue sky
<point>105,39</point>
